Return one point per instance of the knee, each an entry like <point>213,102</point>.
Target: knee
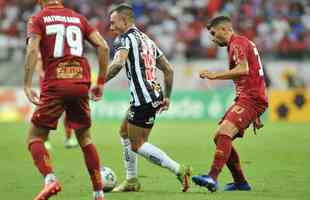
<point>135,145</point>
<point>37,134</point>
<point>227,128</point>
<point>83,137</point>
<point>84,141</point>
<point>215,138</point>
<point>123,131</point>
<point>123,134</point>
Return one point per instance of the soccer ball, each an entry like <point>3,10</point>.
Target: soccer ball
<point>108,178</point>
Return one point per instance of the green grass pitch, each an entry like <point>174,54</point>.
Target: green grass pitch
<point>276,162</point>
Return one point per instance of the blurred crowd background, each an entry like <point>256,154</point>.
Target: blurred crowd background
<point>280,28</point>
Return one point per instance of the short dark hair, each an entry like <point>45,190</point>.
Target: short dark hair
<point>123,8</point>
<point>218,20</point>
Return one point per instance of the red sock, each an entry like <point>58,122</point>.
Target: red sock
<point>68,129</point>
<point>222,153</point>
<point>93,165</point>
<point>234,166</point>
<point>40,156</point>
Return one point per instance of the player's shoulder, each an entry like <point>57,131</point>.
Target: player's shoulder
<point>241,40</point>
<point>36,16</point>
<point>121,40</point>
<point>124,37</point>
<point>33,20</point>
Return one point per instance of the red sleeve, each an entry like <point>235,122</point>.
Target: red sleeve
<point>239,51</point>
<point>87,27</point>
<point>34,27</point>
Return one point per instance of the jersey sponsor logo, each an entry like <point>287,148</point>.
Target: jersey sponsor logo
<point>69,70</point>
<point>156,86</point>
<point>57,18</point>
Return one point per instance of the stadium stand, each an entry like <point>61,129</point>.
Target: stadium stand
<point>279,28</point>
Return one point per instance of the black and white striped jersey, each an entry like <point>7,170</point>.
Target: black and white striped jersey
<point>140,66</point>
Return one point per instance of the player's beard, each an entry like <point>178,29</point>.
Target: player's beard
<point>221,44</point>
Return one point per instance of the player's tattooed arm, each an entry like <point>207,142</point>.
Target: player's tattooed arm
<point>117,64</point>
<point>31,59</point>
<point>103,52</point>
<point>167,69</point>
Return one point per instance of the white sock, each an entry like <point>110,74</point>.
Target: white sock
<point>49,178</point>
<point>158,157</point>
<point>98,194</point>
<point>130,159</point>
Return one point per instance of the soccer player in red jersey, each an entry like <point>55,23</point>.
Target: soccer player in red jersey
<point>58,34</point>
<point>70,140</point>
<point>245,69</point>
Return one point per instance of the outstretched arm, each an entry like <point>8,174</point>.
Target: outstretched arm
<point>241,67</point>
<point>240,70</point>
<point>117,64</point>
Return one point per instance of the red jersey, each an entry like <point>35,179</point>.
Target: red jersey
<point>249,87</point>
<point>63,33</point>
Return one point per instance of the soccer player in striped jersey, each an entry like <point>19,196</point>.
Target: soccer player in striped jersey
<point>140,56</point>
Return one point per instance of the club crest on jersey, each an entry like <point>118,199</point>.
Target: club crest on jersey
<point>156,104</point>
<point>131,115</point>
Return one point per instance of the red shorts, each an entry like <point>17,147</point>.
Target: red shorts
<point>52,105</point>
<point>242,115</point>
